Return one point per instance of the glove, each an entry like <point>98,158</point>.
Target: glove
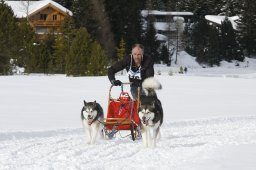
<point>116,82</point>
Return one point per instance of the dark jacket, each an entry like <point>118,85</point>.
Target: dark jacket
<point>146,69</point>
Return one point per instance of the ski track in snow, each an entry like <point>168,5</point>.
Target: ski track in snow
<point>181,142</point>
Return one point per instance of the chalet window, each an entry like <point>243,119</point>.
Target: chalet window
<point>54,17</point>
<point>43,16</point>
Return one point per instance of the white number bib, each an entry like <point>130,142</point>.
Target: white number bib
<point>134,74</point>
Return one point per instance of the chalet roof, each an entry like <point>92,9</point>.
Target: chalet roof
<point>218,19</point>
<point>145,13</point>
<point>20,7</point>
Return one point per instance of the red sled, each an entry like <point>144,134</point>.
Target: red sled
<point>122,114</point>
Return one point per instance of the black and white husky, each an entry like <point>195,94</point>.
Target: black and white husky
<point>150,112</point>
<point>92,116</point>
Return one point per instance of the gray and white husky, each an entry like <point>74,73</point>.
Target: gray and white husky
<point>92,116</point>
<point>150,112</point>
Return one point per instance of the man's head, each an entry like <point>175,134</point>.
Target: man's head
<point>137,53</point>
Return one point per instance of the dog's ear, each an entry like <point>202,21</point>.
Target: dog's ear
<point>153,104</point>
<point>94,103</point>
<point>85,102</point>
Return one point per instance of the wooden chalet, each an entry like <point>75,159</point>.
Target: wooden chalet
<point>44,16</point>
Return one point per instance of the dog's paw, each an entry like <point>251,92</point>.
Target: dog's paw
<point>92,143</point>
<point>153,145</point>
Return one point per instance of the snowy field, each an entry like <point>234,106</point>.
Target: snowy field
<point>209,122</point>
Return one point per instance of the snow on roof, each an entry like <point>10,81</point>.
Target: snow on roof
<point>20,7</point>
<point>161,37</point>
<point>178,19</point>
<point>145,13</point>
<point>218,19</point>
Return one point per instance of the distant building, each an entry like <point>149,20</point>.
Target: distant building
<point>165,22</point>
<point>169,26</point>
<point>44,16</point>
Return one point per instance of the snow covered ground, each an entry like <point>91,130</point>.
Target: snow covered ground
<point>209,122</point>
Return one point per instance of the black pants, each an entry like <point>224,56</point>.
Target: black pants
<point>134,92</point>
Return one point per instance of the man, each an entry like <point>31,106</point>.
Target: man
<point>138,66</point>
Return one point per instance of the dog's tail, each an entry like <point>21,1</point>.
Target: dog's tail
<point>149,86</point>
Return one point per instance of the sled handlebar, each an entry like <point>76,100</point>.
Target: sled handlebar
<point>122,89</point>
<point>122,85</point>
<point>125,83</point>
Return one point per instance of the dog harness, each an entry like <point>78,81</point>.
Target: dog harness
<point>93,120</point>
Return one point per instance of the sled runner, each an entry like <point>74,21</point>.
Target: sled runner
<point>122,114</point>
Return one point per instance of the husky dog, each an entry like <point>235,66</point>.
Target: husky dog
<point>150,112</point>
<point>91,115</point>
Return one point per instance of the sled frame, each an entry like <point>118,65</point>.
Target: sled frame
<point>115,122</point>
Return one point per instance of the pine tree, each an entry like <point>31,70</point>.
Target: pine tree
<point>32,60</point>
<point>62,46</point>
<point>92,15</point>
<point>8,44</point>
<point>79,55</point>
<point>25,38</point>
<point>42,58</point>
<point>4,65</point>
<point>204,8</point>
<point>69,31</point>
<point>125,20</point>
<point>199,40</point>
<point>65,3</point>
<point>155,5</point>
<point>37,62</point>
<point>171,5</point>
<point>61,49</point>
<point>230,7</point>
<point>247,27</point>
<point>97,64</point>
<point>48,63</point>
<point>150,42</point>
<point>83,14</point>
<point>219,7</point>
<point>121,50</point>
<point>104,34</point>
<point>165,55</point>
<point>133,27</point>
<point>149,5</point>
<point>48,55</point>
<point>213,50</point>
<point>187,5</point>
<point>230,47</point>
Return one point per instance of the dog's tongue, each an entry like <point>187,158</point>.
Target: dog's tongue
<point>145,122</point>
<point>90,121</point>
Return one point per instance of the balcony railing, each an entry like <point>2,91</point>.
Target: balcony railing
<point>46,23</point>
